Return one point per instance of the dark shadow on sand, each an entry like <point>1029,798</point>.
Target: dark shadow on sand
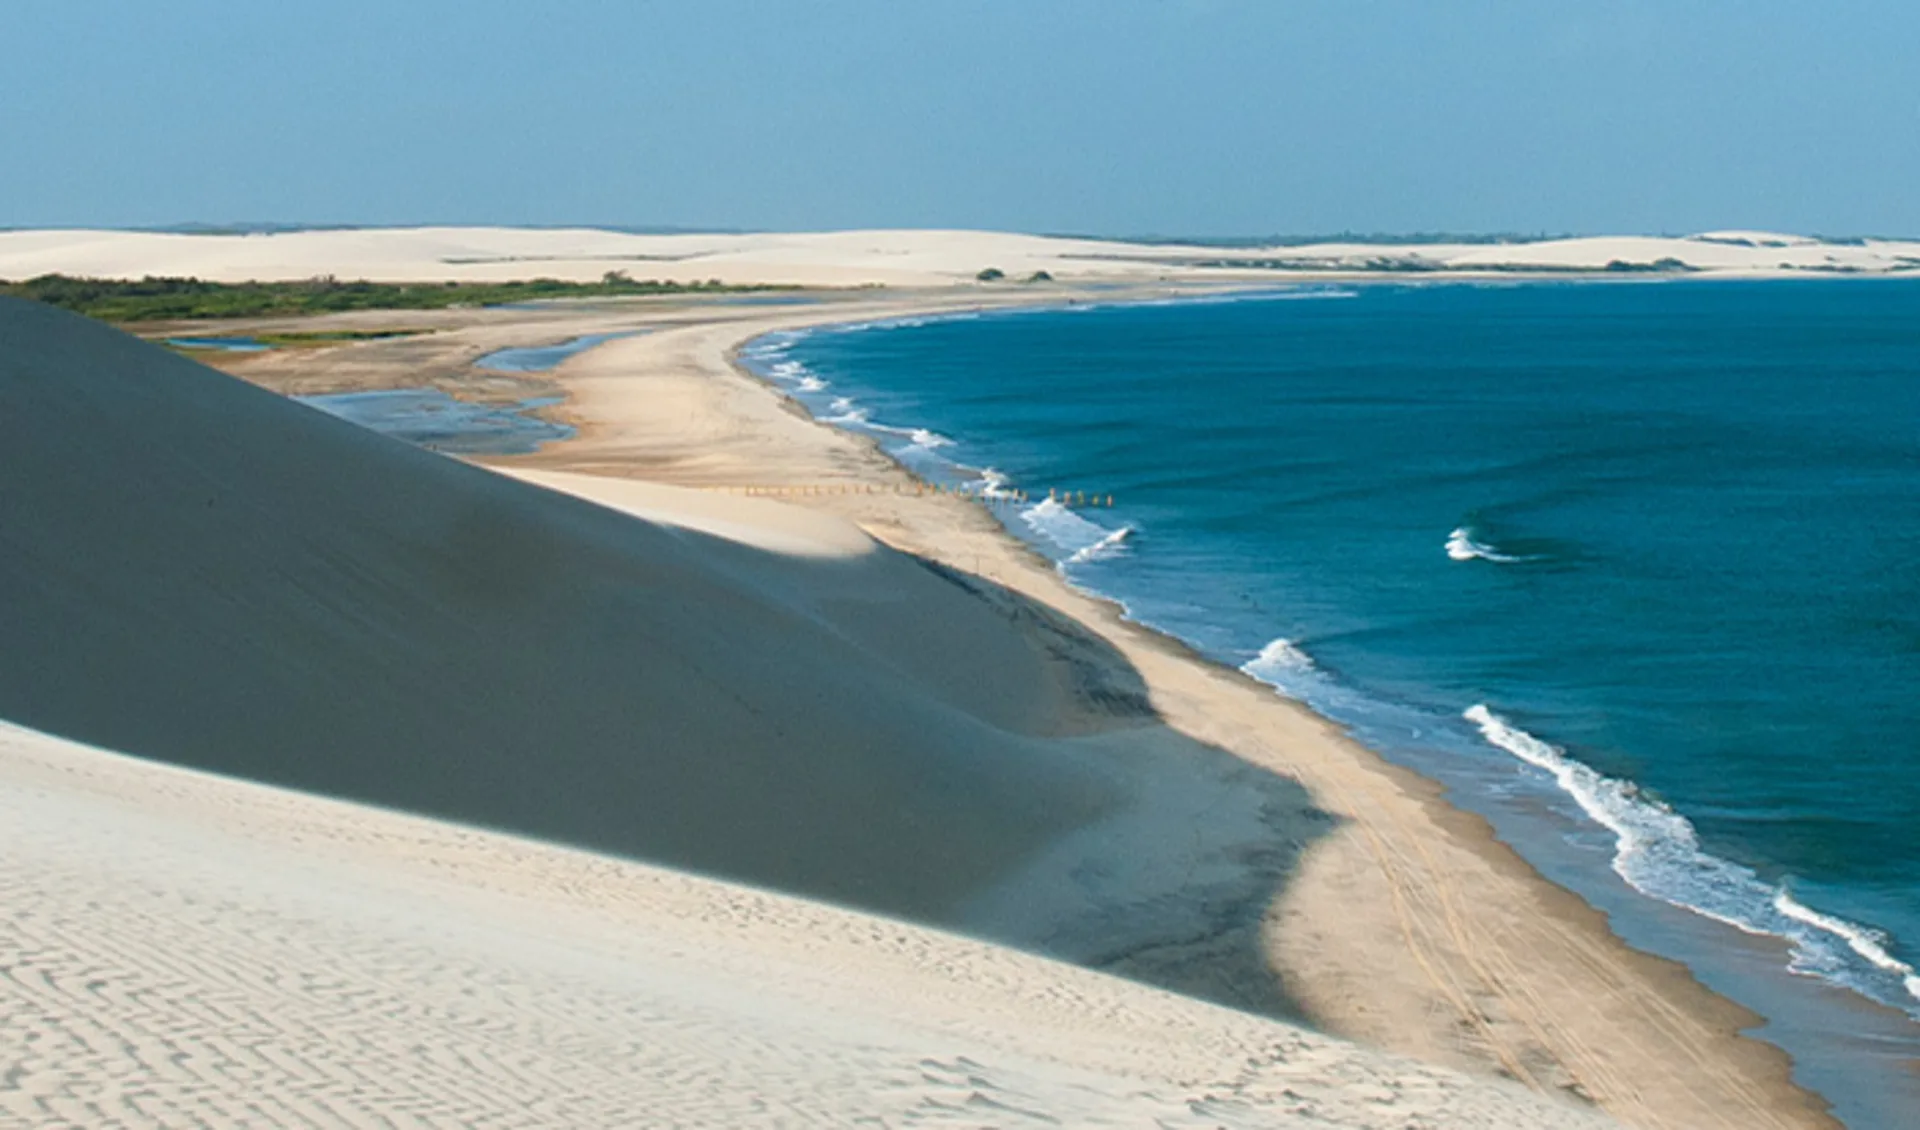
<point>201,573</point>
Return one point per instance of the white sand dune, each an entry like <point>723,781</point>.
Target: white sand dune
<point>851,258</point>
<point>181,949</point>
<point>199,572</point>
<point>205,573</point>
<point>211,574</point>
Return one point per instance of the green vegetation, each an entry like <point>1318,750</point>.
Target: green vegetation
<point>1620,265</point>
<point>156,299</point>
<point>991,274</point>
<point>318,339</point>
<point>1039,277</point>
<point>330,337</point>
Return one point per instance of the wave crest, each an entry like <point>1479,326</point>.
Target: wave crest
<point>1277,660</point>
<point>1083,540</point>
<point>1462,546</point>
<point>995,484</point>
<point>1658,853</point>
<point>1108,546</point>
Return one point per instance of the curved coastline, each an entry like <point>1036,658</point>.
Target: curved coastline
<point>1760,969</point>
<point>1443,950</point>
<point>1412,927</point>
<point>1759,973</point>
<point>1406,921</point>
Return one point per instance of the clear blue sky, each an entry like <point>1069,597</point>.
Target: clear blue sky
<point>1207,117</point>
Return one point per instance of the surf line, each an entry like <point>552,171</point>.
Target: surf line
<point>977,491</point>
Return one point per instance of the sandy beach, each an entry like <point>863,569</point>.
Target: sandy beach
<point>1402,923</point>
<point>633,670</point>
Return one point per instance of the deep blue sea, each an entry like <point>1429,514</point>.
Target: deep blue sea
<point>1633,568</point>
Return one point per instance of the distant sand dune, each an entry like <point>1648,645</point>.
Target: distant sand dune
<point>852,258</point>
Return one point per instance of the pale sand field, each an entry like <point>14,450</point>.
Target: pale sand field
<point>181,950</point>
<point>855,258</point>
<point>221,579</point>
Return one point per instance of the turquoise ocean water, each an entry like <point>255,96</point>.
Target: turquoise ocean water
<point>1634,569</point>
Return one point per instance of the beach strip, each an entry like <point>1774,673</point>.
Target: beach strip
<point>1407,926</point>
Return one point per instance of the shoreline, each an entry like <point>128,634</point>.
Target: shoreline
<point>1837,1038</point>
<point>1379,935</point>
<point>1436,938</point>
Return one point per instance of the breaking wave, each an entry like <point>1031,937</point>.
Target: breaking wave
<point>1279,657</point>
<point>1106,547</point>
<point>995,484</point>
<point>1082,540</point>
<point>1658,853</point>
<point>1462,546</point>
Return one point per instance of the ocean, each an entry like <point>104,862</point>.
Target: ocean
<point>1632,568</point>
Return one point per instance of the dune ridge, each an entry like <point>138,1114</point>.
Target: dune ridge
<point>238,589</point>
<point>213,575</point>
<point>209,575</point>
<point>893,258</point>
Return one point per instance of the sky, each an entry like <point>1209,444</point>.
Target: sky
<point>1108,117</point>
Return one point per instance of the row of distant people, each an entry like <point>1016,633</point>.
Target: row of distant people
<point>964,490</point>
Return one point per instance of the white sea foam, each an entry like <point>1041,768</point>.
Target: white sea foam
<point>1083,540</point>
<point>994,484</point>
<point>905,322</point>
<point>916,437</point>
<point>1288,667</point>
<point>810,383</point>
<point>1279,657</point>
<point>769,346</point>
<point>1658,853</point>
<point>1279,661</point>
<point>841,404</point>
<point>1869,944</point>
<point>1106,547</point>
<point>1461,546</point>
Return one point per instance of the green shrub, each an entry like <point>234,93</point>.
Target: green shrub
<point>158,299</point>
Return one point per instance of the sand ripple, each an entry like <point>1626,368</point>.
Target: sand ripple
<point>180,949</point>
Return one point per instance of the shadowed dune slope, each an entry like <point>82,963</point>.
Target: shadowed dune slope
<point>197,571</point>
